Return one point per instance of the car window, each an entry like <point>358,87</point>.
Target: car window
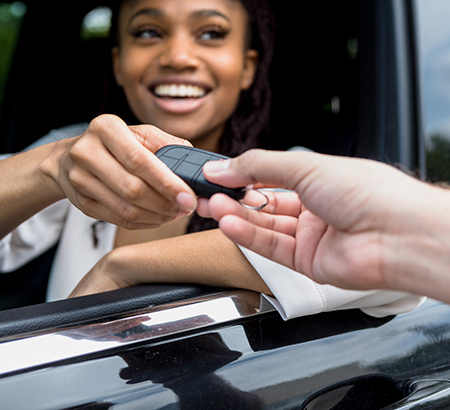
<point>65,45</point>
<point>96,23</point>
<point>434,44</point>
<point>321,67</point>
<point>11,17</point>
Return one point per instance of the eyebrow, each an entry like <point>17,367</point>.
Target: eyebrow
<point>209,13</point>
<point>147,12</point>
<point>195,14</point>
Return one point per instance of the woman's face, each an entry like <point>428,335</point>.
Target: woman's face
<point>183,64</point>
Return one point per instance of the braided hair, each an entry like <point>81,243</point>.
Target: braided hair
<point>249,125</point>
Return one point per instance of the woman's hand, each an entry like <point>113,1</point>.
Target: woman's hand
<point>111,174</point>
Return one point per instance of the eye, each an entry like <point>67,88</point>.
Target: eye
<point>213,33</point>
<point>147,32</point>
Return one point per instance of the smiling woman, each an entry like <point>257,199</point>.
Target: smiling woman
<point>185,67</point>
<point>196,69</point>
<point>167,47</point>
<point>220,52</point>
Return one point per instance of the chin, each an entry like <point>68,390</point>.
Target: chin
<point>197,137</point>
<point>180,132</point>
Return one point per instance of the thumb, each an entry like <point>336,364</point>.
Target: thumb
<point>278,169</point>
<point>154,138</point>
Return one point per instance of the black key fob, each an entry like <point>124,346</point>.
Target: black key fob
<point>187,163</point>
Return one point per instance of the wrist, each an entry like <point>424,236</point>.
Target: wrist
<point>49,168</point>
<point>418,257</point>
<point>106,275</point>
<point>114,269</point>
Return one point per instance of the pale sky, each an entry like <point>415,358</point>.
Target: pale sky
<point>434,42</point>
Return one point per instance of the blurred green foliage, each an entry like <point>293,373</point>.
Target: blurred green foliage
<point>438,158</point>
<point>96,23</point>
<point>11,16</point>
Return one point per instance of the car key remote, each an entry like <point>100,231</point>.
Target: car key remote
<point>187,163</point>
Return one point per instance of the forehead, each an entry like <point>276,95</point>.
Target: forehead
<point>233,9</point>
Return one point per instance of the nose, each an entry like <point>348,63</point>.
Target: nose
<point>178,54</point>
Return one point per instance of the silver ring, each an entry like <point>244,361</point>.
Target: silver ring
<point>255,208</point>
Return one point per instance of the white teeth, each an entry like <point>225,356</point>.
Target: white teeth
<point>179,91</point>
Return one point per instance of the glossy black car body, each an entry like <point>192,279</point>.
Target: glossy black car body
<point>354,89</point>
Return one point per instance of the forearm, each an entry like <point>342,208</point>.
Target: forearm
<point>418,258</point>
<point>26,186</point>
<point>207,258</point>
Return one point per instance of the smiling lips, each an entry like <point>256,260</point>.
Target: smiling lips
<point>179,98</point>
<point>179,91</point>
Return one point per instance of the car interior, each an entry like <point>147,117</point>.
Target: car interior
<point>57,77</point>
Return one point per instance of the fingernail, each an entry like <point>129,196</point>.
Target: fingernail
<point>216,167</point>
<point>187,202</point>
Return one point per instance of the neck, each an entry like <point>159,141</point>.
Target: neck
<point>210,141</point>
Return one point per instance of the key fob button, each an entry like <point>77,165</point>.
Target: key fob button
<point>188,162</point>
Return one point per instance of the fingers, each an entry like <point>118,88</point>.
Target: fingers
<point>153,138</point>
<point>341,191</point>
<point>110,169</point>
<point>277,246</point>
<point>105,179</point>
<point>221,205</point>
<point>281,169</point>
<point>278,203</point>
<point>139,164</point>
<point>97,200</point>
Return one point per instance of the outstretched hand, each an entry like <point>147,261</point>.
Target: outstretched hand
<point>111,173</point>
<point>350,221</point>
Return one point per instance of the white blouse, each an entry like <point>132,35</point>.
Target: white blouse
<point>83,241</point>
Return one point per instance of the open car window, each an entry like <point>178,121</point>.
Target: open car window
<point>344,82</point>
<point>11,18</point>
<point>434,49</point>
<point>315,82</point>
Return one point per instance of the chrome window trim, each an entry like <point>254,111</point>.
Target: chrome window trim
<point>55,345</point>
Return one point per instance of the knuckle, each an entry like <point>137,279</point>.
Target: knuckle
<point>130,225</point>
<point>248,158</point>
<point>131,190</point>
<point>133,160</point>
<point>250,155</point>
<point>86,205</point>
<point>78,151</point>
<point>104,121</point>
<point>76,179</point>
<point>273,246</point>
<point>97,124</point>
<point>164,219</point>
<point>129,213</point>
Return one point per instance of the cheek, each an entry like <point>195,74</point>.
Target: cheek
<point>132,66</point>
<point>228,69</point>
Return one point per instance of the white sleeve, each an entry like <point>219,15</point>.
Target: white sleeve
<point>43,230</point>
<point>33,237</point>
<point>296,295</point>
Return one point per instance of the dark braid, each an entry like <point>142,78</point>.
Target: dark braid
<point>249,126</point>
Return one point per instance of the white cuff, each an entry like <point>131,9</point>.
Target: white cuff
<point>296,295</point>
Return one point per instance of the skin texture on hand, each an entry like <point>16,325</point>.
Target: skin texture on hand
<point>355,223</point>
<point>110,173</point>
